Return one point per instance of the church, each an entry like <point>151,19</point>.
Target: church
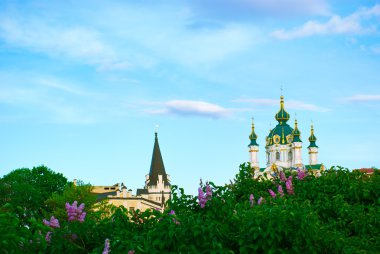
<point>283,148</point>
<point>154,194</point>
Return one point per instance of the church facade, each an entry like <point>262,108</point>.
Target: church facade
<point>283,147</point>
<point>155,193</point>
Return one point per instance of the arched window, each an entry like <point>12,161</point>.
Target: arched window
<point>268,158</point>
<point>290,156</point>
<point>277,156</point>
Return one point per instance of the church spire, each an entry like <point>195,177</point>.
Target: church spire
<point>157,165</point>
<point>253,136</point>
<point>312,138</point>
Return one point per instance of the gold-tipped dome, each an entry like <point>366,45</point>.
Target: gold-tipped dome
<point>253,136</point>
<point>282,116</point>
<point>296,133</point>
<point>312,138</point>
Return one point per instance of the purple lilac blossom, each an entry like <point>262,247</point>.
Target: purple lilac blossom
<point>251,200</point>
<point>131,252</point>
<point>280,190</point>
<point>301,174</point>
<point>282,176</point>
<point>53,223</point>
<point>271,192</point>
<point>260,201</point>
<point>204,197</point>
<point>289,186</point>
<point>48,236</point>
<point>106,247</point>
<point>74,212</point>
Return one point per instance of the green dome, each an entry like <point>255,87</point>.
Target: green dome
<point>296,133</point>
<point>253,136</point>
<point>281,134</point>
<point>312,138</point>
<point>282,116</point>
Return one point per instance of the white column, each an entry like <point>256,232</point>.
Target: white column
<point>297,151</point>
<point>313,155</point>
<point>254,156</point>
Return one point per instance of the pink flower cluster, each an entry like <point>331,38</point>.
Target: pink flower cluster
<point>289,185</point>
<point>282,176</point>
<point>75,212</point>
<point>301,174</point>
<point>53,223</point>
<point>48,236</point>
<point>204,197</point>
<point>252,200</point>
<point>106,247</point>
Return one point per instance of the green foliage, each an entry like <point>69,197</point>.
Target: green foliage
<point>28,189</point>
<point>338,212</point>
<point>80,193</point>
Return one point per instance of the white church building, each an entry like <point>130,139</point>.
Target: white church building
<point>283,147</point>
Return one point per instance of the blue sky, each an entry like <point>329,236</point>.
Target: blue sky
<point>84,83</point>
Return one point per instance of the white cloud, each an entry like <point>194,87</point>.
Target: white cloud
<point>191,108</point>
<point>237,9</point>
<point>362,98</point>
<point>290,104</point>
<point>352,24</point>
<point>76,42</point>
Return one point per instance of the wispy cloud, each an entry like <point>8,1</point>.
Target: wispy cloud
<point>362,98</point>
<point>291,104</point>
<point>237,9</point>
<point>354,24</point>
<point>191,108</point>
<point>73,42</point>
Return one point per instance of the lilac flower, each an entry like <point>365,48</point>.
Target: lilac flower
<point>289,186</point>
<point>260,201</point>
<point>204,197</point>
<point>301,174</point>
<point>74,212</point>
<point>53,223</point>
<point>280,190</point>
<point>131,252</point>
<point>201,197</point>
<point>48,236</point>
<point>251,200</point>
<point>171,212</point>
<point>208,191</point>
<point>106,247</point>
<point>282,176</point>
<point>272,193</point>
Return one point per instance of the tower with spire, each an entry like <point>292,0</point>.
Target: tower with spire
<point>283,146</point>
<point>157,182</point>
<point>253,148</point>
<point>313,148</point>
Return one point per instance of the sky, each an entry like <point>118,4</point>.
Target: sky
<point>83,84</point>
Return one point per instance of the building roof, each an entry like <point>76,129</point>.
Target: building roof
<point>314,167</point>
<point>157,165</point>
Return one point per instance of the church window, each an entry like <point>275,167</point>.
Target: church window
<point>277,156</point>
<point>290,156</point>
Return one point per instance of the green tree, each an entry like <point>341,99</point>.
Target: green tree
<point>28,189</point>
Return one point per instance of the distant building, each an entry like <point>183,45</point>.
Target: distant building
<point>154,194</point>
<point>283,147</point>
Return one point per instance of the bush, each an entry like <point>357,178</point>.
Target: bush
<point>338,212</point>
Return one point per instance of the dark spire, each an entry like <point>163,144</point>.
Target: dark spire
<point>157,165</point>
